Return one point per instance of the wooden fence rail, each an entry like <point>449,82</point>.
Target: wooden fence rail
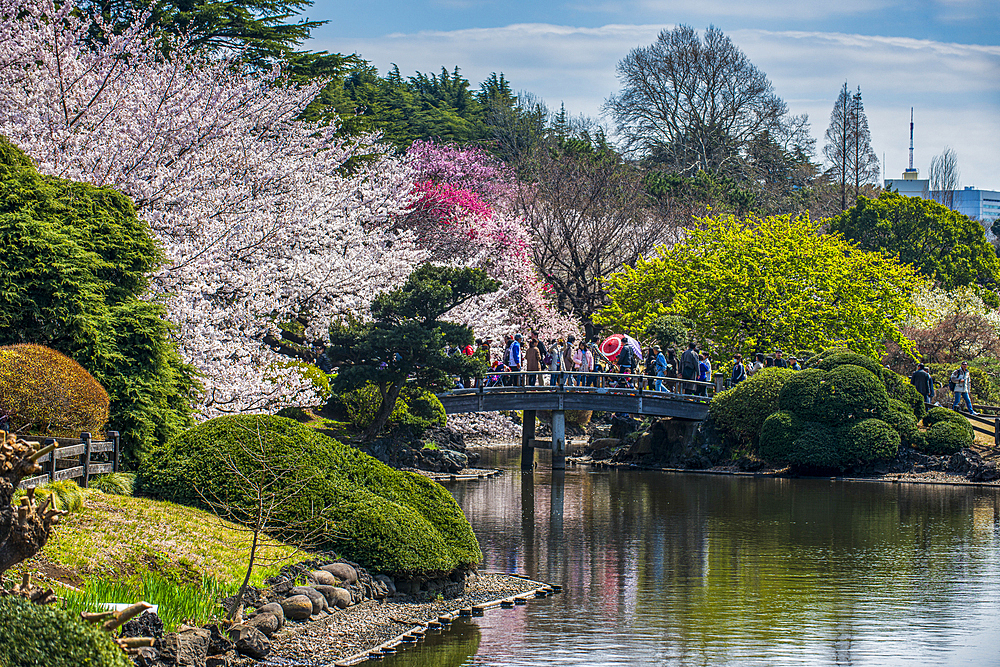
<point>77,458</point>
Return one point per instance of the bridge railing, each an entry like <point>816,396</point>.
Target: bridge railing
<point>598,382</point>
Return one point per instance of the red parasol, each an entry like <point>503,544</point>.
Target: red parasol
<point>612,346</point>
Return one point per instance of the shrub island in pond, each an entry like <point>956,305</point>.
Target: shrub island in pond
<point>842,411</point>
<point>387,520</point>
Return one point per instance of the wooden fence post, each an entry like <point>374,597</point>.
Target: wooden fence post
<point>85,458</point>
<point>115,438</point>
<point>52,459</point>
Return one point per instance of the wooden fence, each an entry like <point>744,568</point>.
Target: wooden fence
<point>77,458</point>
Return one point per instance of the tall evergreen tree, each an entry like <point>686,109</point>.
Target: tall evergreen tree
<point>848,145</point>
<point>864,162</point>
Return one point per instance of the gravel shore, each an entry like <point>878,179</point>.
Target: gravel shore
<point>361,628</point>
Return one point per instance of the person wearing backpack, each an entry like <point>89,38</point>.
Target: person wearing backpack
<point>626,359</point>
<point>961,382</point>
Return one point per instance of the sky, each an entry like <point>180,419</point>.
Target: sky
<point>941,57</point>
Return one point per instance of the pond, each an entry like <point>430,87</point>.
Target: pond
<point>673,569</point>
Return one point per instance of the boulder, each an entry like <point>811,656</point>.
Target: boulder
<point>186,649</point>
<point>218,642</point>
<point>336,597</point>
<point>452,461</point>
<point>224,660</point>
<point>322,577</point>
<point>144,625</point>
<point>275,609</point>
<point>318,601</point>
<point>297,607</point>
<point>605,443</point>
<point>250,641</point>
<point>987,472</point>
<point>387,582</point>
<point>342,571</point>
<point>266,623</point>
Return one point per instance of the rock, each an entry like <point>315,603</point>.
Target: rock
<point>147,656</point>
<point>390,587</point>
<point>297,607</point>
<point>318,600</point>
<point>275,609</point>
<point>336,597</point>
<point>250,641</point>
<point>452,461</point>
<point>987,472</point>
<point>964,461</point>
<point>342,571</point>
<point>605,443</point>
<point>265,622</point>
<point>601,454</point>
<point>186,649</point>
<point>144,625</point>
<point>223,660</point>
<point>218,642</point>
<point>323,578</point>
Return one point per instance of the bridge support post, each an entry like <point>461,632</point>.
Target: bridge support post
<point>528,440</point>
<point>558,439</point>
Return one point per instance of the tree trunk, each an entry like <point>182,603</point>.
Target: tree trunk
<point>384,411</point>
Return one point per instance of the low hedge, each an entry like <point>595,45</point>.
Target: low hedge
<point>742,410</point>
<point>900,389</point>
<point>842,357</point>
<point>385,519</point>
<point>800,393</point>
<point>45,392</point>
<point>32,635</point>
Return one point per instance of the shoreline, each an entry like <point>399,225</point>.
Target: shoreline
<point>374,629</point>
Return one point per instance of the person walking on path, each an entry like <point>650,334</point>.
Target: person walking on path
<point>739,370</point>
<point>659,366</point>
<point>556,365</point>
<point>689,367</point>
<point>778,361</point>
<point>532,362</point>
<point>923,382</point>
<point>963,384</point>
<point>758,364</point>
<point>673,365</point>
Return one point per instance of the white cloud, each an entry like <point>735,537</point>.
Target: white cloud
<point>955,88</point>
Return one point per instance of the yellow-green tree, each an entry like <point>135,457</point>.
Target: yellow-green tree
<point>760,284</point>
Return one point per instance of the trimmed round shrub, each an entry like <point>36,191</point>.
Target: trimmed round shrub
<point>800,392</point>
<point>900,417</point>
<point>946,437</point>
<point>361,405</point>
<point>385,519</point>
<point>869,440</point>
<point>47,393</point>
<point>32,635</point>
<point>813,361</point>
<point>941,414</point>
<point>818,446</point>
<point>850,392</point>
<point>778,436</point>
<point>843,357</point>
<point>900,389</point>
<point>424,407</point>
<point>742,410</point>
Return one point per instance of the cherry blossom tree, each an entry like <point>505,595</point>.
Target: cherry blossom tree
<point>262,217</point>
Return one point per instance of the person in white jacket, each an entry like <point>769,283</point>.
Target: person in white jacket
<point>963,384</point>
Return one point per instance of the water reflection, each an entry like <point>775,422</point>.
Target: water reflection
<point>441,649</point>
<point>662,568</point>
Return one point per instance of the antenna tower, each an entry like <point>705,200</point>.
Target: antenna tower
<point>911,140</point>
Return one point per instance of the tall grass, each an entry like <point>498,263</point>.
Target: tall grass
<point>189,603</point>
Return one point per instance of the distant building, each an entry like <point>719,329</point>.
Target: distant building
<point>910,185</point>
<point>982,205</point>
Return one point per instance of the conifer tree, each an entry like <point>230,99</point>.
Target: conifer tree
<point>848,145</point>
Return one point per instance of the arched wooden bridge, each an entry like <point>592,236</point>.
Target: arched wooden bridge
<point>608,393</point>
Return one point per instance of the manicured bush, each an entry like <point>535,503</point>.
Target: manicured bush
<point>742,410</point>
<point>942,414</point>
<point>423,405</point>
<point>868,440</point>
<point>361,405</point>
<point>900,389</point>
<point>818,446</point>
<point>841,358</point>
<point>47,393</point>
<point>900,417</point>
<point>850,392</point>
<point>800,393</point>
<point>813,361</point>
<point>32,635</point>
<point>385,519</point>
<point>778,436</point>
<point>74,276</point>
<point>946,437</point>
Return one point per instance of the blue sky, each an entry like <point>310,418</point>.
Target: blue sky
<point>940,56</point>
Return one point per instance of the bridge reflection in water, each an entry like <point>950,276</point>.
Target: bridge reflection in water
<point>628,394</point>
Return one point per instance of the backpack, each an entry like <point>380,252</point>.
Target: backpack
<point>951,379</point>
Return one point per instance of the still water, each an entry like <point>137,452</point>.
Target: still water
<point>674,569</point>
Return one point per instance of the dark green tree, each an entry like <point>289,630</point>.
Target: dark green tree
<point>407,339</point>
<point>942,244</point>
<point>76,261</point>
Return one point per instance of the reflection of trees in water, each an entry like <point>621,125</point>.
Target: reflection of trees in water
<point>736,568</point>
<point>445,649</point>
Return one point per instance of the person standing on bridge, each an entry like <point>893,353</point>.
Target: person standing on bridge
<point>659,366</point>
<point>532,362</point>
<point>704,373</point>
<point>514,358</point>
<point>689,367</point>
<point>567,360</point>
<point>739,370</point>
<point>583,362</point>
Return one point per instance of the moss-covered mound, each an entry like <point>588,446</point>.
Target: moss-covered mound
<point>45,392</point>
<point>947,432</point>
<point>741,411</point>
<point>387,520</point>
<point>33,635</point>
